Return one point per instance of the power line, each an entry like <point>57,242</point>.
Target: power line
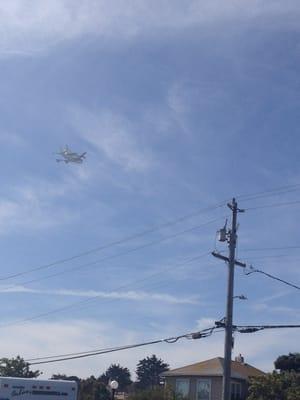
<point>253,270</point>
<point>256,328</point>
<point>93,264</point>
<point>106,258</point>
<point>266,193</point>
<point>114,243</point>
<point>290,257</point>
<point>71,356</point>
<point>270,256</point>
<point>288,203</point>
<point>95,354</point>
<point>272,248</point>
<point>193,335</point>
<point>270,192</point>
<point>83,302</point>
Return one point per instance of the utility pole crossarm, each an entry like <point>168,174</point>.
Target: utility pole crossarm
<point>218,255</point>
<point>231,206</point>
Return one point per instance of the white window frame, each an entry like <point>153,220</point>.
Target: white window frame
<point>236,385</point>
<point>206,381</point>
<point>185,380</point>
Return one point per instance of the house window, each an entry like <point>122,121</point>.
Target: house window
<point>182,387</point>
<point>203,389</point>
<point>236,391</point>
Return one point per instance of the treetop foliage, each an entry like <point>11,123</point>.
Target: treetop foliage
<point>148,372</point>
<point>118,373</point>
<point>92,389</point>
<point>290,362</point>
<point>275,386</point>
<point>17,368</point>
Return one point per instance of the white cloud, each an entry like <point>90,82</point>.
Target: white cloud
<point>28,215</point>
<point>274,296</point>
<point>27,29</point>
<point>205,323</point>
<point>33,340</point>
<point>282,310</point>
<point>262,348</point>
<point>129,295</point>
<point>115,136</point>
<point>32,206</point>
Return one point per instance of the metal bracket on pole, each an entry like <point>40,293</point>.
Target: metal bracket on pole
<point>229,205</point>
<point>218,255</point>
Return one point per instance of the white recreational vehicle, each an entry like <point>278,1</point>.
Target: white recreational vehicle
<point>35,389</point>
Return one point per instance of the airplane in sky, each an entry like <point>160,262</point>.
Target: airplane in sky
<point>69,156</point>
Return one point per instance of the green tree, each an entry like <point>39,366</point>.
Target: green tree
<point>17,367</point>
<point>92,389</point>
<point>118,373</point>
<point>275,386</point>
<point>148,372</point>
<point>290,362</point>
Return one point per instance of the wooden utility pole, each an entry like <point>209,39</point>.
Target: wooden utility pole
<point>231,236</point>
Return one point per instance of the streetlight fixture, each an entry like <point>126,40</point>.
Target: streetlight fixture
<point>114,386</point>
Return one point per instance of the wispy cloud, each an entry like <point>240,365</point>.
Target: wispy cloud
<point>281,310</point>
<point>114,136</point>
<point>32,207</point>
<point>206,322</point>
<point>274,296</point>
<point>49,22</point>
<point>129,295</point>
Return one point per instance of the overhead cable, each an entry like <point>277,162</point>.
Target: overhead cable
<point>147,231</point>
<point>113,243</point>
<point>194,335</point>
<point>269,193</point>
<point>256,328</point>
<point>254,270</point>
<point>272,248</point>
<point>93,264</point>
<point>287,203</point>
<point>81,303</point>
<point>71,356</point>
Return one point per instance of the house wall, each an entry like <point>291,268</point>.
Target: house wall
<point>216,385</point>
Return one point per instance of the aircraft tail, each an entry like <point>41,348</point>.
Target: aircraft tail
<point>83,155</point>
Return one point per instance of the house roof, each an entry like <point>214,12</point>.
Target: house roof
<point>214,367</point>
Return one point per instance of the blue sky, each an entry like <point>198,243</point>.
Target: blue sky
<point>180,105</point>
